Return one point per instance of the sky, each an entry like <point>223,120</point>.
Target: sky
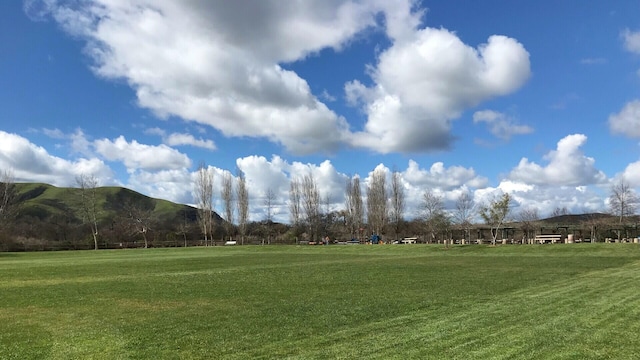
<point>538,99</point>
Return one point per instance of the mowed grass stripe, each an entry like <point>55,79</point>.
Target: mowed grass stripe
<point>568,319</point>
<point>222,271</point>
<point>322,302</point>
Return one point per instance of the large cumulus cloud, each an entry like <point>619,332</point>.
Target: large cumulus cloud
<point>424,81</point>
<point>221,63</point>
<point>566,166</point>
<point>32,163</point>
<point>218,62</point>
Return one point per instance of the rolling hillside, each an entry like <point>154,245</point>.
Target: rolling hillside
<point>44,201</point>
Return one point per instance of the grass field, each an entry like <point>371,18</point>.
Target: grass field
<point>578,301</point>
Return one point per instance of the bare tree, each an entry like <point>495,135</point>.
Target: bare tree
<point>464,213</point>
<point>355,208</point>
<point>495,214</point>
<point>528,220</point>
<point>295,204</point>
<point>594,221</point>
<point>327,218</point>
<point>183,227</point>
<point>269,202</point>
<point>226,193</point>
<point>560,211</point>
<point>295,196</point>
<point>311,205</point>
<point>242,194</point>
<point>443,227</point>
<point>9,205</point>
<point>8,199</point>
<point>396,215</point>
<point>377,202</point>
<point>203,193</point>
<point>435,218</point>
<point>326,204</point>
<point>623,201</point>
<point>87,194</point>
<point>140,217</point>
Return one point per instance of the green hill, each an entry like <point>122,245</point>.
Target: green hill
<point>44,201</point>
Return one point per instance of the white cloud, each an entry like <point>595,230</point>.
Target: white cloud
<point>508,186</point>
<point>401,17</point>
<point>32,163</point>
<point>217,62</point>
<point>155,131</point>
<point>632,174</point>
<point>631,40</point>
<point>80,144</point>
<point>220,64</point>
<point>264,175</point>
<point>78,140</point>
<point>426,80</point>
<point>627,121</point>
<point>500,125</point>
<point>545,199</point>
<point>37,10</point>
<point>327,97</point>
<point>567,166</point>
<point>174,185</point>
<point>141,156</point>
<point>439,176</point>
<point>53,133</point>
<point>176,139</point>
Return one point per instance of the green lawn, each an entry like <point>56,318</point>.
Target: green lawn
<point>569,301</point>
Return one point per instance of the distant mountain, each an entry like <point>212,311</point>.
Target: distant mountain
<point>44,201</point>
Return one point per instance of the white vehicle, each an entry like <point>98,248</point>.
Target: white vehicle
<point>411,240</point>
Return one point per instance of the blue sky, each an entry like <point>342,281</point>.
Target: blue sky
<point>539,99</point>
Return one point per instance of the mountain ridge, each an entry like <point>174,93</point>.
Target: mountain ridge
<point>43,200</point>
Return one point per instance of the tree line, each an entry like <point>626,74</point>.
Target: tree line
<point>383,214</point>
<point>311,220</point>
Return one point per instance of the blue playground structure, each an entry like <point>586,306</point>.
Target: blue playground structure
<point>375,239</point>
